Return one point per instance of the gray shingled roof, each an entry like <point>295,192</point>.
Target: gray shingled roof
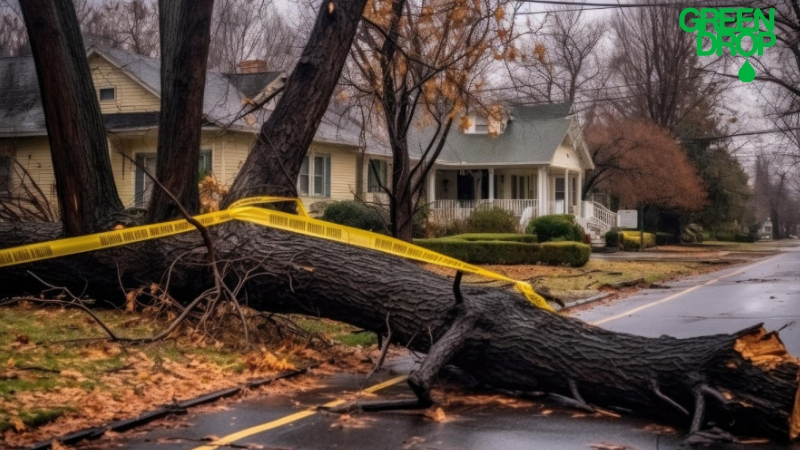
<point>131,120</point>
<point>21,109</point>
<point>532,136</point>
<point>252,84</point>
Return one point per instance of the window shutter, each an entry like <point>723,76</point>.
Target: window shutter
<point>327,176</point>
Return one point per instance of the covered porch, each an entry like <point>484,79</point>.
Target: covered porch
<point>527,192</point>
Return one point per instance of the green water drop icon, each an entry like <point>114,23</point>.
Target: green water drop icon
<point>747,73</point>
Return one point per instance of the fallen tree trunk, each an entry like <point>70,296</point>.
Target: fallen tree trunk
<point>744,382</point>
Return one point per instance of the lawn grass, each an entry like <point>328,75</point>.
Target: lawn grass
<point>342,333</point>
<point>58,362</point>
<point>599,273</point>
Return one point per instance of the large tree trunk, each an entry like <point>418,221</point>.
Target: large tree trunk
<point>743,382</point>
<point>87,195</point>
<point>185,37</point>
<point>277,154</point>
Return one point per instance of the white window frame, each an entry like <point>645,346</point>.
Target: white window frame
<point>308,172</point>
<point>478,124</point>
<point>206,153</point>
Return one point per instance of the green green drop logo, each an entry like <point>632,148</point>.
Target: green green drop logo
<point>747,73</point>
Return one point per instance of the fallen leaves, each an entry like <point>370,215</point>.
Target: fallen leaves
<point>603,446</point>
<point>73,375</point>
<point>436,415</point>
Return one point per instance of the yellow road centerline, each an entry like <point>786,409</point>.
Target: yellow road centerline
<point>291,418</point>
<point>683,292</point>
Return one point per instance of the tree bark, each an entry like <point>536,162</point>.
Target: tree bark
<point>746,382</point>
<point>277,154</point>
<point>185,37</point>
<point>87,195</point>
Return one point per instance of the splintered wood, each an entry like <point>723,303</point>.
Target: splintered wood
<point>764,350</point>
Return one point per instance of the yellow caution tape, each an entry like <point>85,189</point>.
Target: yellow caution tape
<point>300,224</point>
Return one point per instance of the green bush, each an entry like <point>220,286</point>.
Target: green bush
<point>612,238</point>
<point>357,215</point>
<point>556,227</point>
<point>493,220</point>
<point>631,240</point>
<point>509,252</point>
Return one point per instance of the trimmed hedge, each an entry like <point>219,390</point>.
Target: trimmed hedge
<point>729,236</point>
<point>569,253</point>
<point>631,240</point>
<point>512,237</point>
<point>509,252</point>
<point>556,227</point>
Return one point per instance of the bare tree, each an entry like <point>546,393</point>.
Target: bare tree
<point>656,67</point>
<point>127,25</point>
<point>13,38</point>
<point>244,30</point>
<point>557,63</point>
<point>421,62</point>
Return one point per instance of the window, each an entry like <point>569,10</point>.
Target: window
<point>5,173</point>
<point>377,175</point>
<point>519,187</point>
<point>144,185</point>
<point>205,163</point>
<point>107,94</point>
<point>481,125</point>
<point>315,176</point>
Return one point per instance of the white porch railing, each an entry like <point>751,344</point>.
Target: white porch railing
<point>443,211</point>
<point>598,219</point>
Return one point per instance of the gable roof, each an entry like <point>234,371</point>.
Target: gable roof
<point>21,112</point>
<point>532,136</point>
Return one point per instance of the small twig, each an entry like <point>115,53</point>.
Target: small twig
<point>38,369</point>
<point>119,369</point>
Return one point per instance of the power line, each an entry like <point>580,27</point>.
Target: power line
<point>743,133</point>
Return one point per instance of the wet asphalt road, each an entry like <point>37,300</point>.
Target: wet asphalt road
<point>766,291</point>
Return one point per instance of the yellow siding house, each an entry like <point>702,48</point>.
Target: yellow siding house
<point>128,90</point>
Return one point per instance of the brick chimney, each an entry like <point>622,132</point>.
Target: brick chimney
<point>253,66</point>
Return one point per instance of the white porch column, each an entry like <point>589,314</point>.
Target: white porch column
<point>432,185</point>
<point>579,194</point>
<point>567,192</point>
<point>491,184</point>
<point>541,180</point>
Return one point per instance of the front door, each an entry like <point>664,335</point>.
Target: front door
<point>560,197</point>
<point>466,186</point>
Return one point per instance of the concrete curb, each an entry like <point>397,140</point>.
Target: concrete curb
<point>163,411</point>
